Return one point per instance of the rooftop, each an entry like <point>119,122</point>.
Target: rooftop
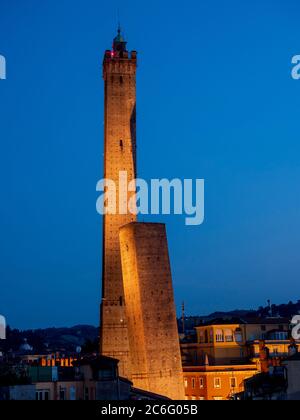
<point>220,368</point>
<point>246,321</point>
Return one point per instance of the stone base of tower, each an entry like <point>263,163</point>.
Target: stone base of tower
<point>150,310</point>
<point>114,336</point>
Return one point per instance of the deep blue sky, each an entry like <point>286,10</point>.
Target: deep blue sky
<point>215,101</point>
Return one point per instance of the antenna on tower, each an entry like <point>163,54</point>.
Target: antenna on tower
<point>183,318</point>
<point>118,19</point>
<point>270,308</point>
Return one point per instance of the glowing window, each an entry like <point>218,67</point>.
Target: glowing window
<point>217,383</point>
<point>219,336</point>
<point>228,335</point>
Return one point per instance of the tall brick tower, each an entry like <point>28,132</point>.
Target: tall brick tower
<point>151,315</point>
<point>119,73</point>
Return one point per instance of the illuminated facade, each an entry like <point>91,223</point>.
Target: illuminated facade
<point>150,308</point>
<point>216,382</point>
<point>229,342</point>
<point>119,71</point>
<point>226,353</point>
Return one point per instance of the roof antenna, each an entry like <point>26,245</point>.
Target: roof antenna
<point>118,17</point>
<point>183,318</point>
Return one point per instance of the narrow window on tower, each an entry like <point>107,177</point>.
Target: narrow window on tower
<point>121,80</point>
<point>121,144</point>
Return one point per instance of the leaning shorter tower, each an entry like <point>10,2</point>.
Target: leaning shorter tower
<point>150,310</point>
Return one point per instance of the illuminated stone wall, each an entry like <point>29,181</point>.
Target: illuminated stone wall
<point>151,317</point>
<point>119,73</point>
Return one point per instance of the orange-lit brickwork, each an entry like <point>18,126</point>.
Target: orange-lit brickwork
<point>151,317</point>
<point>119,73</point>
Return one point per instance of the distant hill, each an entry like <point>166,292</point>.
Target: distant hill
<point>284,310</point>
<point>51,339</point>
<point>86,336</point>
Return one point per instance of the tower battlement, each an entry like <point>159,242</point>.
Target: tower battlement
<point>110,55</point>
<point>119,65</point>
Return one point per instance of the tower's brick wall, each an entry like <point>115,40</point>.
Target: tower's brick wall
<point>119,73</point>
<point>151,318</point>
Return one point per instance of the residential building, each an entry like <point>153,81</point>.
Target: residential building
<point>216,382</point>
<point>228,352</point>
<point>236,340</point>
<point>90,378</point>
